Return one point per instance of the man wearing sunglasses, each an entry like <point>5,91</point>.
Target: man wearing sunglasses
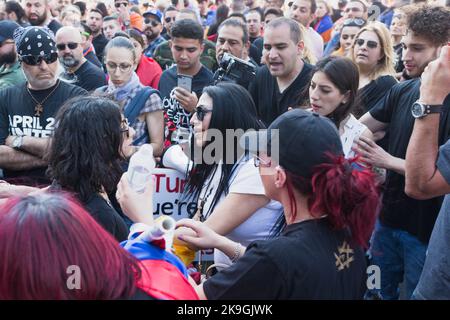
<point>170,16</point>
<point>10,71</point>
<point>152,30</point>
<point>27,111</point>
<point>79,71</point>
<point>38,14</point>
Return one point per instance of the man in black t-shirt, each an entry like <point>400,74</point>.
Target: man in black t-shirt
<point>27,111</point>
<point>79,71</point>
<point>95,22</point>
<point>179,103</point>
<point>254,19</point>
<point>400,239</point>
<point>282,83</point>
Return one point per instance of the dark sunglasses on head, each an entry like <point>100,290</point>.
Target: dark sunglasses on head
<point>354,22</point>
<point>153,22</point>
<point>370,44</point>
<point>168,19</point>
<point>201,112</point>
<point>118,4</point>
<point>354,9</point>
<point>62,46</point>
<point>36,60</point>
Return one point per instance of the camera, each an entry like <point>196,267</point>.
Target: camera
<point>235,70</point>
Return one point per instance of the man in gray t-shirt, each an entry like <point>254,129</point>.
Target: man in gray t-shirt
<point>428,174</point>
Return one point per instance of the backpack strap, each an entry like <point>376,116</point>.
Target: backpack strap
<point>134,107</point>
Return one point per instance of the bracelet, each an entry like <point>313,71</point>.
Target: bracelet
<point>237,253</point>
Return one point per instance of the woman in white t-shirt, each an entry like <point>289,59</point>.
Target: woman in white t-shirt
<point>332,93</point>
<point>225,183</point>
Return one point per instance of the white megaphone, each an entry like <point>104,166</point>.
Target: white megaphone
<point>175,158</point>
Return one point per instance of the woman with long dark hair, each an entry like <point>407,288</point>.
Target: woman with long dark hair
<point>90,141</point>
<point>330,210</point>
<point>332,93</point>
<point>227,187</point>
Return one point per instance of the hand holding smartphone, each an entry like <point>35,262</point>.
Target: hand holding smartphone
<point>184,81</point>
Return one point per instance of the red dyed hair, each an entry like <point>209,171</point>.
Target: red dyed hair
<point>349,197</point>
<point>42,235</point>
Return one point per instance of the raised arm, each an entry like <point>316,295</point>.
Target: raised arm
<point>423,178</point>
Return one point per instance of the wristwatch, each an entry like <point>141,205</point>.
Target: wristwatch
<point>420,110</point>
<point>17,142</point>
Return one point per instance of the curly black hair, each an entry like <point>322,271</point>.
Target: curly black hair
<point>430,22</point>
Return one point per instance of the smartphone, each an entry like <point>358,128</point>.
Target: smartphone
<point>184,81</point>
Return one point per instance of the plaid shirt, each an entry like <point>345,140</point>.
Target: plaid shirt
<point>152,46</point>
<point>152,104</point>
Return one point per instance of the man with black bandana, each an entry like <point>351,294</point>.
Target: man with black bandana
<point>27,111</point>
<point>38,14</point>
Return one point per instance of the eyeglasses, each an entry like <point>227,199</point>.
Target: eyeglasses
<point>125,127</point>
<point>71,45</point>
<point>257,161</point>
<point>36,60</point>
<point>201,112</point>
<point>124,67</point>
<point>370,44</point>
<point>168,19</point>
<point>118,4</point>
<point>356,21</point>
<point>4,43</point>
<point>153,22</point>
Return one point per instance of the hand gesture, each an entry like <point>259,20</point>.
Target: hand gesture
<point>188,100</point>
<point>204,238</point>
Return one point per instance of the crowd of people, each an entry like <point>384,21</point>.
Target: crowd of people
<point>313,136</point>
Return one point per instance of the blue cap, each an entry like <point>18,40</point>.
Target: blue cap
<point>7,29</point>
<point>155,13</point>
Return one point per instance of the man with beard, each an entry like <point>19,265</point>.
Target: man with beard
<point>400,240</point>
<point>95,22</point>
<point>10,70</point>
<point>38,14</point>
<point>27,111</point>
<point>79,71</point>
<point>170,16</point>
<point>152,31</point>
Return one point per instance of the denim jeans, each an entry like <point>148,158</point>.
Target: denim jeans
<point>400,257</point>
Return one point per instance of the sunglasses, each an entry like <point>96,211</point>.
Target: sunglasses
<point>257,161</point>
<point>354,9</point>
<point>168,19</point>
<point>36,60</point>
<point>201,112</point>
<point>62,46</point>
<point>370,44</point>
<point>118,4</point>
<point>126,127</point>
<point>153,22</point>
<point>357,22</point>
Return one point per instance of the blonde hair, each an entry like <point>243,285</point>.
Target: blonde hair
<point>386,64</point>
<point>308,56</point>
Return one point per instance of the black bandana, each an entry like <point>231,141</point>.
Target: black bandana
<point>36,41</point>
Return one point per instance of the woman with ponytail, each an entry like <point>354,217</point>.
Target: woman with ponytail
<point>329,208</point>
